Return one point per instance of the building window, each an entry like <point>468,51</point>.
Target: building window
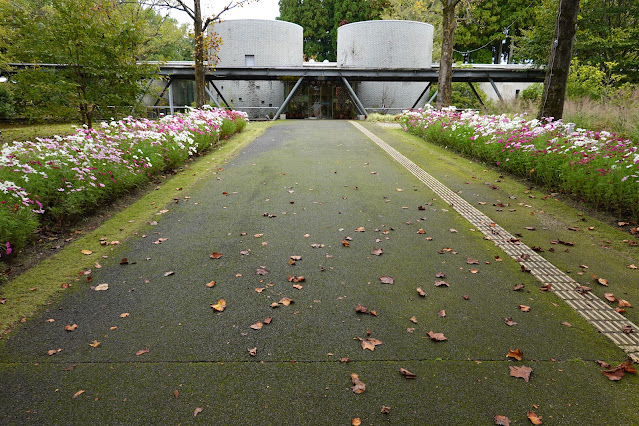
<point>249,60</point>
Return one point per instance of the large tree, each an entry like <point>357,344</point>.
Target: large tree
<point>100,43</point>
<point>321,19</point>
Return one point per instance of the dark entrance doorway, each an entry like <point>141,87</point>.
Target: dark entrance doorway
<point>320,100</point>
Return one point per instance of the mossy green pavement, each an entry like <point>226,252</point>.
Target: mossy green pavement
<point>301,189</point>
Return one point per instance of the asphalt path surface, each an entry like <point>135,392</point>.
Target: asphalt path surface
<point>322,192</point>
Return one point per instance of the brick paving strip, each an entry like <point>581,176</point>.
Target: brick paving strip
<point>597,312</point>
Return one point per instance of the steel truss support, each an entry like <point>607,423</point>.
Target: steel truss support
<point>476,94</point>
<point>422,95</point>
<point>356,100</point>
<point>432,98</point>
<point>492,82</point>
<point>288,98</point>
<point>220,95</point>
<point>168,83</point>
<point>211,96</point>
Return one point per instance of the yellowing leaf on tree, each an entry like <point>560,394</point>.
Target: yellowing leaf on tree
<point>219,306</point>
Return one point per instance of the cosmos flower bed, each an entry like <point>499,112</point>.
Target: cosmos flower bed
<point>62,178</point>
<point>597,167</point>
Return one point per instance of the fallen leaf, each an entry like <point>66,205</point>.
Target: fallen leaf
<point>522,372</point>
<point>524,308</point>
<point>385,409</point>
<point>509,322</point>
<point>360,229</point>
<point>358,385</point>
<point>50,320</point>
<point>473,270</point>
<point>257,326</point>
<point>286,301</point>
<point>345,359</point>
<point>71,327</point>
<point>624,304</point>
<point>441,314</point>
<point>356,421</point>
<point>87,252</point>
<point>78,393</point>
<point>518,287</point>
<point>298,286</point>
<point>370,343</point>
<point>516,354</point>
<point>124,315</point>
<point>534,418</point>
<point>101,287</point>
<point>168,273</point>
<point>436,337</point>
<point>627,329</point>
<point>387,280</point>
<point>566,323</point>
<point>113,328</point>
<point>603,281</point>
<point>124,261</point>
<point>259,289</point>
<point>377,251</point>
<point>245,252</point>
<point>471,261</point>
<point>176,393</point>
<point>296,258</point>
<point>502,420</point>
<point>94,344</point>
<point>211,284</point>
<point>413,319</point>
<point>404,372</point>
<point>421,231</point>
<point>262,271</point>
<point>197,411</point>
<point>440,275</point>
<point>610,297</point>
<point>546,287</point>
<point>219,306</point>
<point>258,235</point>
<point>215,255</point>
<point>632,266</point>
<point>54,351</point>
<point>142,352</point>
<point>441,283</point>
<point>253,351</point>
<point>345,243</point>
<point>421,292</point>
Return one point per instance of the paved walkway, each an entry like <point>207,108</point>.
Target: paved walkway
<point>327,193</point>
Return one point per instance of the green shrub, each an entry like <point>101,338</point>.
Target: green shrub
<point>6,101</point>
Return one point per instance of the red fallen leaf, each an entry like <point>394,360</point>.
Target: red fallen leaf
<point>603,281</point>
<point>197,411</point>
<point>142,352</point>
<point>345,243</point>
<point>358,386</point>
<point>360,229</point>
<point>387,280</point>
<point>522,372</point>
<point>516,354</point>
<point>257,326</point>
<point>472,261</point>
<point>502,420</point>
<point>465,297</point>
<point>377,251</point>
<point>441,283</point>
<point>524,308</point>
<point>78,393</point>
<point>215,255</point>
<point>442,313</point>
<point>421,231</point>
<point>436,337</point>
<point>509,322</point>
<point>603,364</point>
<point>262,271</point>
<point>534,418</point>
<point>404,372</point>
<point>624,304</point>
<point>440,275</point>
<point>267,320</point>
<point>421,292</point>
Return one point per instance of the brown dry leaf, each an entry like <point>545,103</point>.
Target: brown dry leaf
<point>471,261</point>
<point>473,270</point>
<point>566,323</point>
<point>260,289</point>
<point>522,372</point>
<point>267,320</point>
<point>142,352</point>
<point>441,283</point>
<point>286,301</point>
<point>78,393</point>
<point>197,411</point>
<point>602,364</point>
<point>517,354</point>
<point>345,359</point>
<point>298,286</point>
<point>440,275</point>
<point>54,351</point>
<point>253,351</point>
<point>113,328</point>
<point>360,229</point>
<point>377,251</point>
<point>94,344</point>
<point>370,343</point>
<point>436,337</point>
<point>50,320</point>
<point>518,287</point>
<point>413,319</point>
<point>610,297</point>
<point>509,322</point>
<point>345,243</point>
<point>603,281</point>
<point>86,252</point>
<point>502,420</point>
<point>215,255</point>
<point>624,304</point>
<point>257,326</point>
<point>632,266</point>
<point>70,327</point>
<point>245,252</point>
<point>356,421</point>
<point>219,306</point>
<point>124,315</point>
<point>258,235</point>
<point>101,287</point>
<point>296,278</point>
<point>262,271</point>
<point>534,418</point>
<point>421,292</point>
<point>168,273</point>
<point>358,385</point>
<point>627,329</point>
<point>387,280</point>
<point>524,308</point>
<point>614,374</point>
<point>210,284</point>
<point>404,372</point>
<point>421,231</point>
<point>546,287</point>
<point>442,313</point>
<point>274,305</point>
<point>176,393</point>
<point>385,409</point>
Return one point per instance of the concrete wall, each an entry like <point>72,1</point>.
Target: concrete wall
<point>508,90</point>
<point>386,44</point>
<point>272,44</point>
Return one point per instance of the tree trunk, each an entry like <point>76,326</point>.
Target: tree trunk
<point>552,100</point>
<point>445,80</point>
<point>200,82</point>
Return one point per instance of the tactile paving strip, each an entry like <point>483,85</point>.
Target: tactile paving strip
<point>603,317</point>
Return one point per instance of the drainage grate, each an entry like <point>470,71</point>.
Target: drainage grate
<point>589,306</point>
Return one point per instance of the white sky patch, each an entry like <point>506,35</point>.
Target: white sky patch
<point>261,9</point>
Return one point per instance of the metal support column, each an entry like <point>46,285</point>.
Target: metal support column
<point>492,82</point>
<point>356,100</point>
<point>211,96</point>
<point>288,99</point>
<point>476,94</point>
<point>221,97</point>
<point>420,96</point>
<point>171,109</point>
<point>432,98</point>
<point>168,83</point>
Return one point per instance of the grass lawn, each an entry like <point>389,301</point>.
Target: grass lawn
<point>28,132</point>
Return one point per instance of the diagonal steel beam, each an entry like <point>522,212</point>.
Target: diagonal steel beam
<point>288,99</point>
<point>356,100</point>
<point>492,82</point>
<point>221,97</point>
<point>420,96</point>
<point>476,94</point>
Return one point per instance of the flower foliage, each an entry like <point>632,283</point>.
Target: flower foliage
<point>64,177</point>
<point>598,167</point>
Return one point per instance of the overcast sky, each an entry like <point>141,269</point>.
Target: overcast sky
<point>262,9</point>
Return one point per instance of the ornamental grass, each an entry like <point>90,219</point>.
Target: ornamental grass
<point>64,177</point>
<point>599,168</point>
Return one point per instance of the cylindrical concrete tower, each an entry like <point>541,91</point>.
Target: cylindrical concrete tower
<point>386,44</point>
<point>257,43</point>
